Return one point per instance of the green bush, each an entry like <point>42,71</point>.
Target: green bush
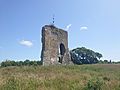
<point>106,78</point>
<point>94,84</point>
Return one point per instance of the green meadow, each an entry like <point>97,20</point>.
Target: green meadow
<point>71,77</point>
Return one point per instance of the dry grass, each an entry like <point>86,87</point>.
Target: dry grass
<point>83,77</point>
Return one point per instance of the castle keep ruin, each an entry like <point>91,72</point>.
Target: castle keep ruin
<point>54,46</point>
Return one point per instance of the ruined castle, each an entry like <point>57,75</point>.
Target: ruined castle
<point>54,46</point>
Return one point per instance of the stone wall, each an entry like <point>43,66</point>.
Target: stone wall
<point>54,46</point>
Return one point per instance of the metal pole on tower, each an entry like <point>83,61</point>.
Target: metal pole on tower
<point>53,19</point>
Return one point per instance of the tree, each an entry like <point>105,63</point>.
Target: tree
<point>84,56</point>
<point>27,62</point>
<point>99,55</point>
<point>20,63</point>
<point>105,61</point>
<point>8,63</point>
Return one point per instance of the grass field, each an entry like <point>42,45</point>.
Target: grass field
<point>82,77</point>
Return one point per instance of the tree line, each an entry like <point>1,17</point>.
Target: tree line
<point>20,63</point>
<point>80,55</point>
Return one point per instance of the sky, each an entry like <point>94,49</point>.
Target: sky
<point>94,24</point>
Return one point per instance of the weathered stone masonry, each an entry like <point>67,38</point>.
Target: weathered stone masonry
<point>54,46</point>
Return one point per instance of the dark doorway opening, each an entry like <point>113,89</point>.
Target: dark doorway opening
<point>61,52</point>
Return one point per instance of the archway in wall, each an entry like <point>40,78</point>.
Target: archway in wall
<point>61,52</point>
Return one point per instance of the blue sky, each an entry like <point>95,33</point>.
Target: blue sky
<point>94,24</point>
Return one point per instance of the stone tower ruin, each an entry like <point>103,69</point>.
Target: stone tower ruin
<point>54,46</point>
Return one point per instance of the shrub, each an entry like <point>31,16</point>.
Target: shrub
<point>106,78</point>
<point>94,84</point>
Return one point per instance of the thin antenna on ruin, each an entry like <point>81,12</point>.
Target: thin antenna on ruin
<point>53,19</point>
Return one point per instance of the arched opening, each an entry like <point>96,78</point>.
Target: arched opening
<point>61,52</point>
<point>62,49</point>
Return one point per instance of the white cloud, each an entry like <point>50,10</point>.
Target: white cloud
<point>26,43</point>
<point>83,28</point>
<point>68,27</point>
